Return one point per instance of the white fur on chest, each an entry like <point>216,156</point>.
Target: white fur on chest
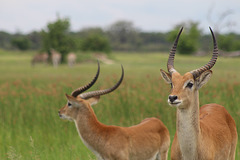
<point>187,136</point>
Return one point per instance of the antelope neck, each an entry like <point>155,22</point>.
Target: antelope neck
<point>188,128</point>
<point>89,129</point>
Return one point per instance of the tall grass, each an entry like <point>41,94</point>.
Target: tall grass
<point>30,98</point>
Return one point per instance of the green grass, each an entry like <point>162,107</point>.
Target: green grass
<point>30,98</point>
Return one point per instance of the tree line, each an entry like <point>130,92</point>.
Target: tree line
<point>120,36</point>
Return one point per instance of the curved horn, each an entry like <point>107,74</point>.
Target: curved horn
<point>196,73</point>
<point>102,92</point>
<point>170,63</point>
<point>78,91</point>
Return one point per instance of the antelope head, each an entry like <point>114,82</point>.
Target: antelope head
<point>185,88</point>
<point>79,101</point>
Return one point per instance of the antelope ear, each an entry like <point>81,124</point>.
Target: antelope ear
<point>93,100</point>
<point>72,101</point>
<point>203,78</point>
<point>166,76</point>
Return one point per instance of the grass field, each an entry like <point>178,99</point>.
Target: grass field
<point>30,97</point>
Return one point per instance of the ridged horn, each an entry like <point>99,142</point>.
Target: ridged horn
<point>196,73</point>
<point>170,63</point>
<point>78,91</point>
<point>102,92</point>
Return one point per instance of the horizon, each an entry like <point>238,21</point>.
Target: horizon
<point>148,15</point>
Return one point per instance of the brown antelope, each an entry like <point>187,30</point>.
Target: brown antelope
<point>71,58</point>
<point>208,133</point>
<point>56,57</point>
<point>40,58</point>
<point>148,140</point>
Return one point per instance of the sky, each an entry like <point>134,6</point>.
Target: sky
<point>26,16</point>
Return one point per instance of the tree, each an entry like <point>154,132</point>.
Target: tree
<point>5,40</point>
<point>123,35</point>
<point>188,43</point>
<point>95,42</point>
<point>21,43</point>
<point>35,38</point>
<point>94,39</point>
<point>57,37</point>
<point>229,42</point>
<point>85,32</point>
<point>154,41</point>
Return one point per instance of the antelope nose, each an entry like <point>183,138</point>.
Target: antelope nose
<point>172,98</point>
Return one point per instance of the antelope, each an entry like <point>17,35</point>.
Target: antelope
<point>208,133</point>
<point>40,58</point>
<point>148,140</point>
<point>71,58</point>
<point>56,57</point>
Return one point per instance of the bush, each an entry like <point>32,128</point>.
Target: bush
<point>21,43</point>
<point>188,42</point>
<point>95,42</point>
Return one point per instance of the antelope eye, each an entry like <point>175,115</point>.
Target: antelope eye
<point>171,85</point>
<point>189,85</point>
<point>69,104</point>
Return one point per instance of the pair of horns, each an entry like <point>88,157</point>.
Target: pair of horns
<point>87,95</point>
<point>197,72</point>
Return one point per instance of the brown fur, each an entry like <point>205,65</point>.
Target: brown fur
<point>208,133</point>
<point>40,58</point>
<point>56,58</point>
<point>71,58</point>
<point>140,142</point>
<point>218,138</point>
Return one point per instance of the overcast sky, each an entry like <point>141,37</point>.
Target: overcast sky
<point>148,15</point>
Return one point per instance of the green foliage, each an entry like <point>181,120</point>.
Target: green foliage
<point>85,32</point>
<point>189,40</point>
<point>94,39</point>
<point>95,42</point>
<point>236,45</point>
<point>5,40</point>
<point>229,42</point>
<point>154,41</point>
<point>119,36</point>
<point>225,42</point>
<point>35,38</point>
<point>123,35</point>
<point>22,43</point>
<point>56,36</point>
